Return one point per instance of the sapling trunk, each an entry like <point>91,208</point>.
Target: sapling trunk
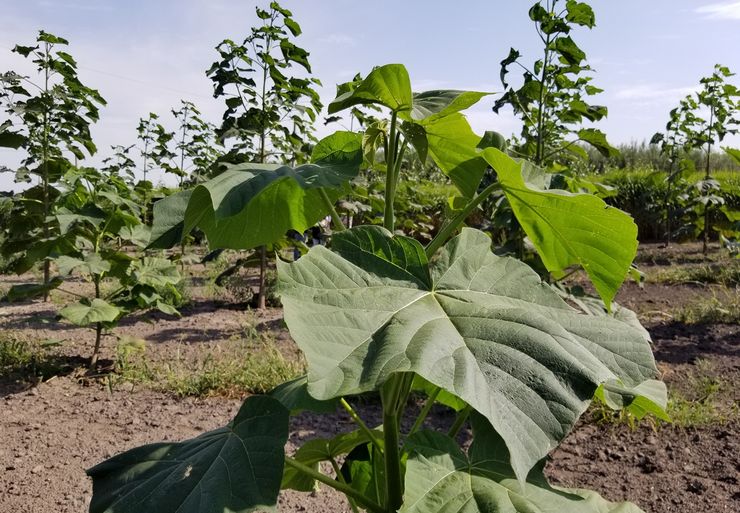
<point>98,328</point>
<point>262,294</point>
<point>707,176</point>
<point>45,164</point>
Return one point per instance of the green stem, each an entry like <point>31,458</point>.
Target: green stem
<point>459,421</point>
<point>393,476</point>
<point>335,217</point>
<point>340,478</point>
<point>389,220</point>
<point>425,411</point>
<point>361,424</point>
<point>446,232</point>
<point>346,489</point>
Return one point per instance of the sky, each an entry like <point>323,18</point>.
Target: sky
<point>145,55</point>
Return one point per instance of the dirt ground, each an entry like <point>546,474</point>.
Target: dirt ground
<point>52,431</point>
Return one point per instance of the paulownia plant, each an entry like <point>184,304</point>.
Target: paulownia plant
<point>377,312</point>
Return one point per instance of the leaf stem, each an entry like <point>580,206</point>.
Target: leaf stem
<point>361,424</point>
<point>446,232</point>
<point>425,411</point>
<point>459,421</point>
<point>346,489</point>
<point>341,479</point>
<point>335,217</point>
<point>389,221</point>
<point>390,393</point>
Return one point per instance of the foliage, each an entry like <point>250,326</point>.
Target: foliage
<point>379,312</point>
<point>688,129</point>
<point>552,99</point>
<point>51,125</point>
<point>269,113</point>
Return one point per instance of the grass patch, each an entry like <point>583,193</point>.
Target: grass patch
<point>238,368</point>
<point>727,275</point>
<point>26,360</point>
<point>711,310</point>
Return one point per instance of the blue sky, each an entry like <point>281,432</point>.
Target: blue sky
<point>145,55</point>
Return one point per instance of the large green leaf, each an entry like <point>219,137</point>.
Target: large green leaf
<point>431,105</point>
<point>91,264</point>
<point>169,220</point>
<point>440,478</point>
<point>88,312</point>
<point>484,328</point>
<point>31,290</point>
<point>252,204</point>
<point>387,85</point>
<point>452,146</point>
<point>569,229</point>
<point>234,469</point>
<point>734,153</point>
<point>295,397</point>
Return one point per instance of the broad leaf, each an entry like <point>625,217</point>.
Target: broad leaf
<point>431,105</point>
<point>169,220</point>
<point>236,468</point>
<point>155,272</point>
<point>253,205</point>
<point>88,312</point>
<point>295,397</point>
<point>440,478</point>
<point>452,146</point>
<point>91,264</point>
<point>387,85</point>
<point>650,397</point>
<point>31,290</point>
<point>597,139</point>
<point>484,328</point>
<point>569,229</point>
<point>734,153</point>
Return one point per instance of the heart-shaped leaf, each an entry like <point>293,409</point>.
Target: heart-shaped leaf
<point>88,312</point>
<point>256,204</point>
<point>237,468</point>
<point>484,328</point>
<point>387,85</point>
<point>440,478</point>
<point>570,229</point>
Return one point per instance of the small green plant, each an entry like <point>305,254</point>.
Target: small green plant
<point>377,312</point>
<point>723,274</point>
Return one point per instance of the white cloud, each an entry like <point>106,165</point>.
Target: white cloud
<point>721,11</point>
<point>653,93</point>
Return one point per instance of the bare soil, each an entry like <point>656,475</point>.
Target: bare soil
<point>52,431</point>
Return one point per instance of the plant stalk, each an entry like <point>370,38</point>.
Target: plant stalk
<point>346,489</point>
<point>459,421</point>
<point>425,411</point>
<point>335,217</point>
<point>361,424</point>
<point>389,221</point>
<point>390,394</point>
<point>446,232</point>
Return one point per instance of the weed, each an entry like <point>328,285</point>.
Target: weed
<point>711,310</point>
<point>727,275</point>
<point>29,360</point>
<point>242,367</point>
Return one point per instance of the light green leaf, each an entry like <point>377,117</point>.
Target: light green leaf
<point>650,397</point>
<point>387,85</point>
<point>167,308</point>
<point>734,153</point>
<point>253,205</point>
<point>155,272</point>
<point>452,146</point>
<point>93,263</point>
<point>484,328</point>
<point>440,478</point>
<point>431,105</point>
<point>236,468</point>
<point>569,229</point>
<point>88,312</point>
<point>597,139</point>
